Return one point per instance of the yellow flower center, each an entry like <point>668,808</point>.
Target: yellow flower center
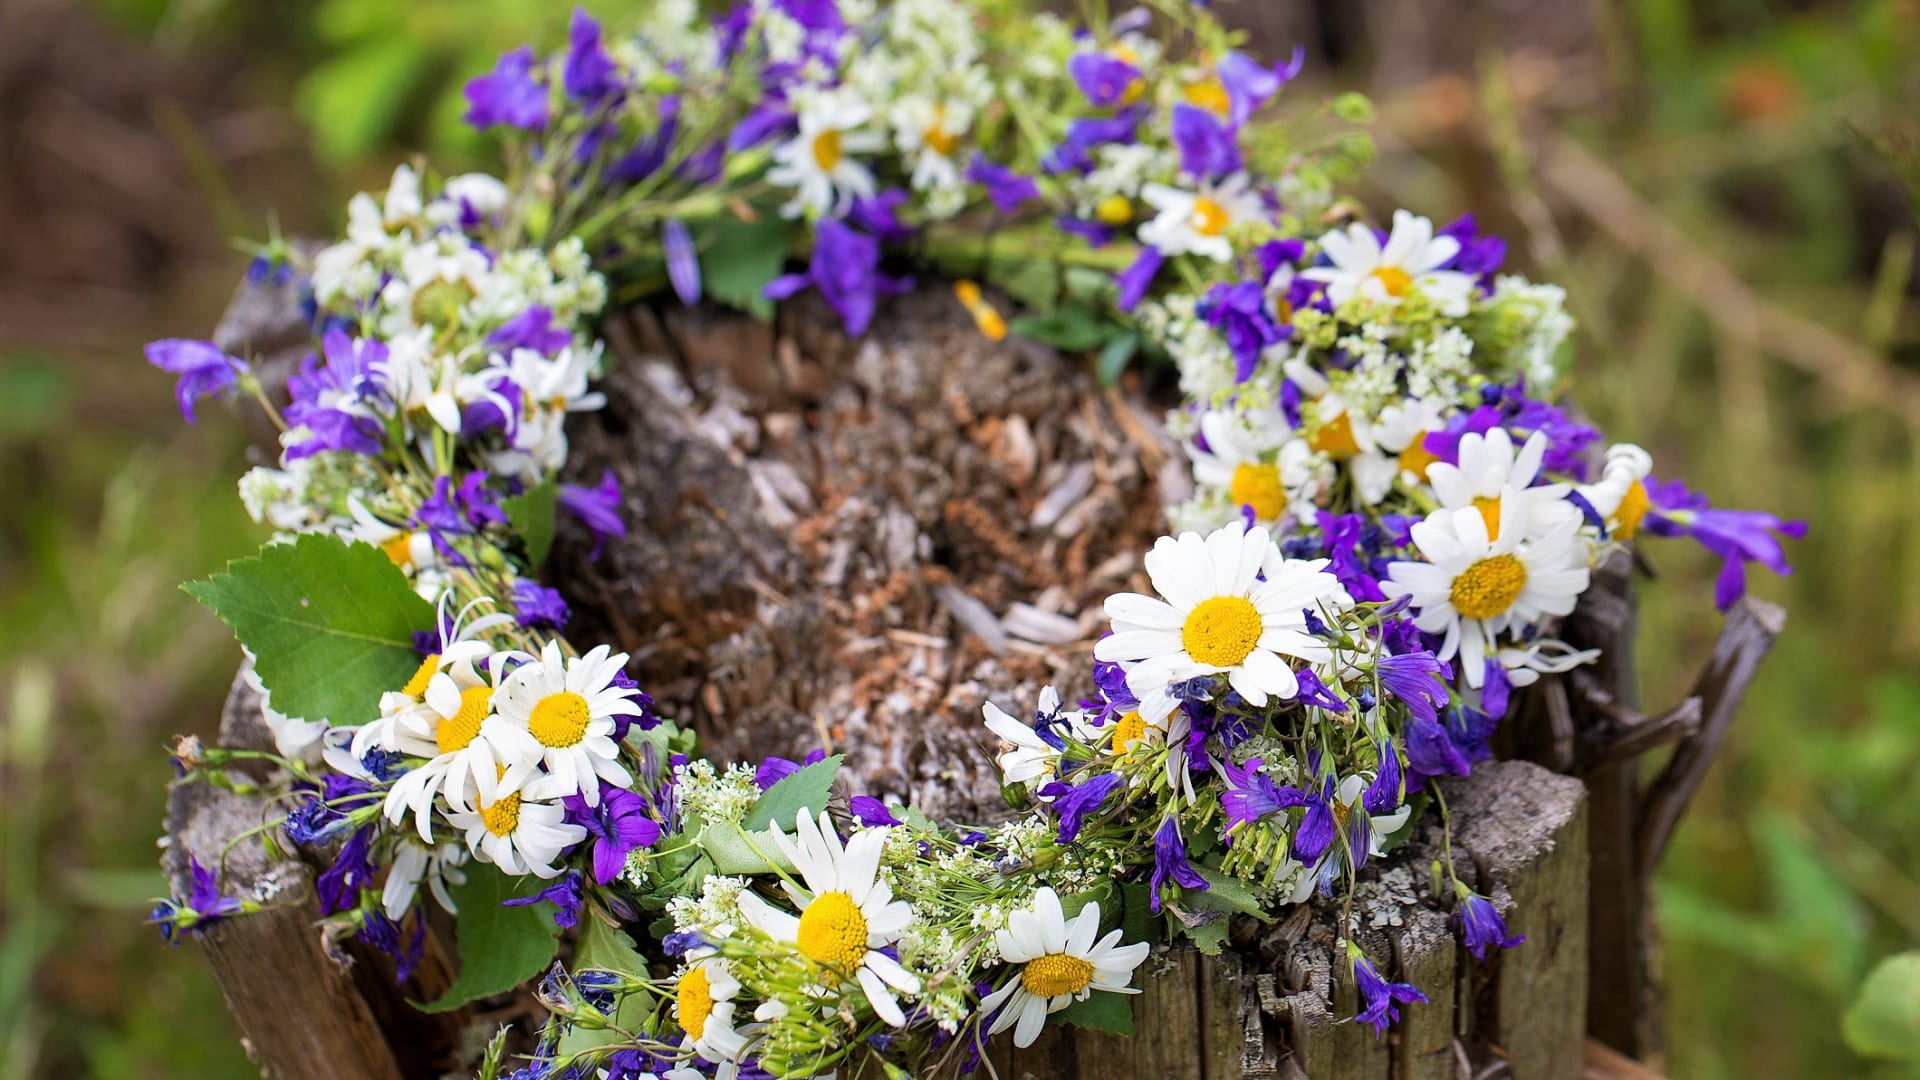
<point>1221,630</point>
<point>560,719</point>
<point>1633,510</point>
<point>1395,280</point>
<point>422,675</point>
<point>1209,217</point>
<point>1282,310</point>
<point>1489,507</point>
<point>1115,209</point>
<point>1415,458</point>
<point>1335,438</point>
<point>1055,974</point>
<point>455,732</point>
<point>399,549</point>
<point>438,303</point>
<point>1258,486</point>
<point>826,150</point>
<point>1489,586</point>
<point>1129,729</point>
<point>503,817</point>
<point>937,138</point>
<point>833,933</point>
<point>1209,95</point>
<point>695,994</point>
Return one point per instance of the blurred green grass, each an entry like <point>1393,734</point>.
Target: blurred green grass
<point>1735,120</point>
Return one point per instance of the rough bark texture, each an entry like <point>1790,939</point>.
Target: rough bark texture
<point>853,544</point>
<point>310,1008</point>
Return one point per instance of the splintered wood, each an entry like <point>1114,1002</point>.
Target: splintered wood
<point>856,544</point>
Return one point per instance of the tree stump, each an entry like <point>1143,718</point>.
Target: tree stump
<point>851,545</point>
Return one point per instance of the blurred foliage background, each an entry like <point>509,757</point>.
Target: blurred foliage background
<point>1728,189</point>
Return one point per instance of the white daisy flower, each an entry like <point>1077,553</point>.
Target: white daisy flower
<point>1337,431</point>
<point>568,707</point>
<point>1473,587</point>
<point>410,551</point>
<point>521,832</point>
<point>847,915</point>
<point>1221,615</point>
<point>418,381</point>
<point>1409,263</point>
<point>928,133</point>
<point>1059,964</point>
<point>819,161</point>
<point>1196,222</point>
<point>1620,497</point>
<point>1239,459</point>
<point>1028,757</point>
<point>1488,468</point>
<point>704,1006</point>
<point>1398,435</point>
<point>413,865</point>
<point>469,750</point>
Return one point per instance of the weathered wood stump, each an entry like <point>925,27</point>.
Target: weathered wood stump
<point>851,545</point>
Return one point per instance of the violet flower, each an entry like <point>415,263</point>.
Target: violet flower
<point>1007,189</point>
<point>846,269</point>
<point>537,607</point>
<point>1106,79</point>
<point>509,95</point>
<point>203,906</point>
<point>1737,536</point>
<point>1170,863</point>
<point>1250,84</point>
<point>1207,147</point>
<point>205,370</point>
<point>871,812</point>
<point>325,391</point>
<point>1481,926</point>
<point>618,825</point>
<point>533,329</point>
<point>565,895</point>
<point>1239,312</point>
<point>1379,999</point>
<point>1074,804</point>
<point>589,76</point>
<point>683,262</point>
<point>598,508</point>
<point>339,885</point>
<point>1137,278</point>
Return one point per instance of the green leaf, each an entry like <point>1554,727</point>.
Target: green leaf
<point>1074,903</point>
<point>531,515</point>
<point>807,789</point>
<point>1138,922</point>
<point>500,947</point>
<point>1884,1019</point>
<point>1224,893</point>
<point>1112,1013</point>
<point>1209,937</point>
<point>738,258</point>
<point>1033,282</point>
<point>331,624</point>
<point>354,100</point>
<point>736,851</point>
<point>1069,328</point>
<point>1114,357</point>
<point>606,947</point>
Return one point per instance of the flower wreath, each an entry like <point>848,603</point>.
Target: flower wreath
<point>1389,515</point>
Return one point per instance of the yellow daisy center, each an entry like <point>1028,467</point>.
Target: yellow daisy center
<point>1129,729</point>
<point>1335,438</point>
<point>826,150</point>
<point>1209,95</point>
<point>455,732</point>
<point>1633,510</point>
<point>422,675</point>
<point>1393,279</point>
<point>695,994</point>
<point>833,932</point>
<point>937,138</point>
<point>438,303</point>
<point>1221,630</point>
<point>1115,209</point>
<point>1415,458</point>
<point>399,549</point>
<point>1489,507</point>
<point>1055,974</point>
<point>1209,217</point>
<point>1258,486</point>
<point>503,817</point>
<point>560,719</point>
<point>1489,586</point>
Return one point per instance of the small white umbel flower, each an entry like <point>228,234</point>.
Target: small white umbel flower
<point>1059,964</point>
<point>847,915</point>
<point>1233,606</point>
